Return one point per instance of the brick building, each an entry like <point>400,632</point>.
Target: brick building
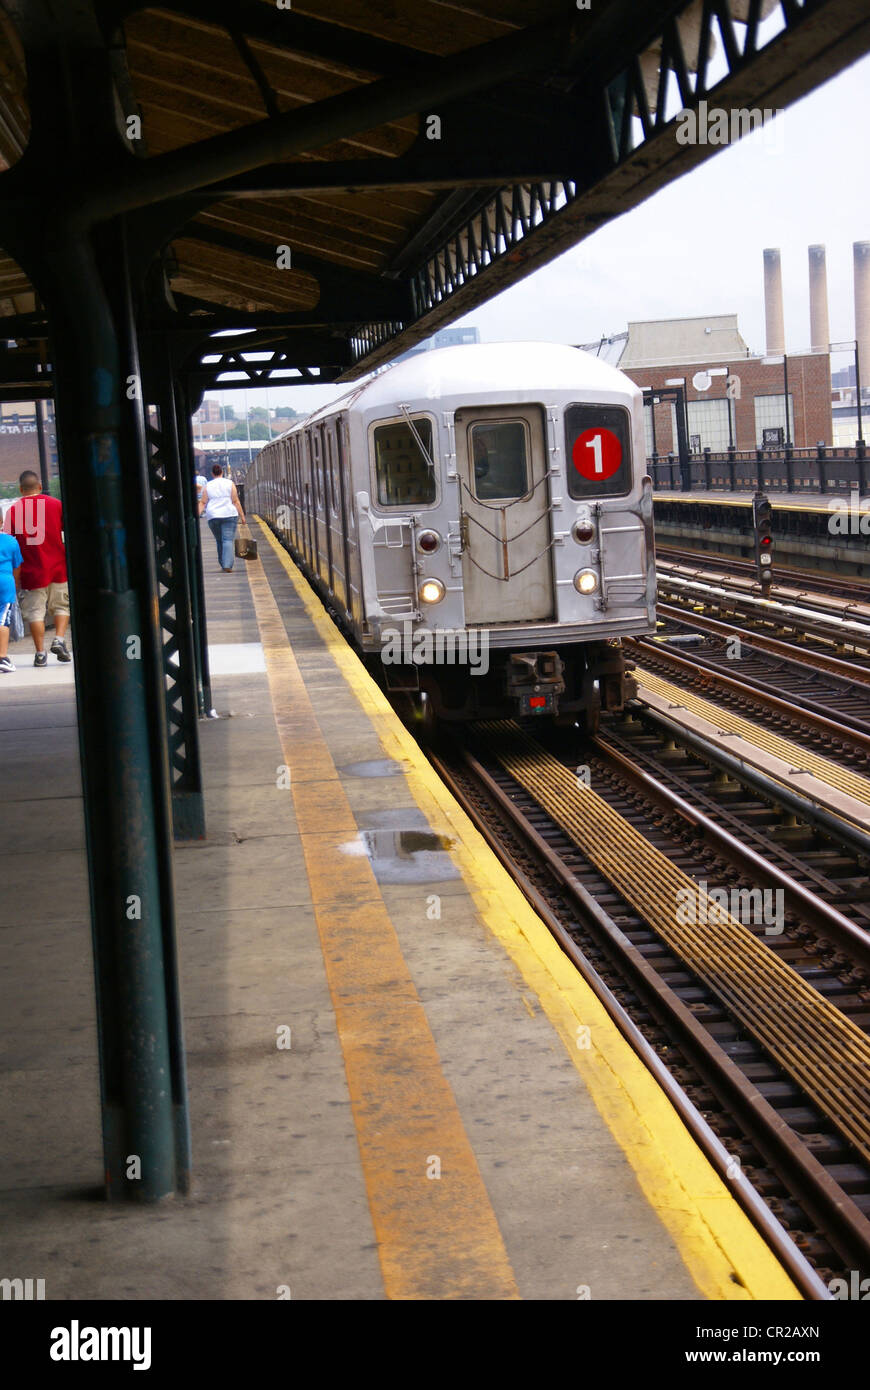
<point>209,412</point>
<point>704,354</point>
<point>19,441</point>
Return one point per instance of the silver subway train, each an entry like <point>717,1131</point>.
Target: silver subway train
<point>479,521</point>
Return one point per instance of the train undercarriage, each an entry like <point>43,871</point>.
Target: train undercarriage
<point>567,685</point>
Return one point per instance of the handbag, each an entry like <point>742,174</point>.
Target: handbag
<point>245,544</point>
<point>16,626</point>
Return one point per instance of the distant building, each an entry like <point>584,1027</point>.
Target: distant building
<point>454,337</point>
<point>705,353</point>
<point>208,412</point>
<point>19,440</point>
<point>445,337</point>
<point>212,429</point>
<point>844,406</point>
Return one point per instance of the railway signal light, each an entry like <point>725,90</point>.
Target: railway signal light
<point>762,519</point>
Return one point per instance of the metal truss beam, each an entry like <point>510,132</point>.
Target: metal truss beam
<point>186,402</point>
<point>121,189</point>
<point>509,136</point>
<point>172,507</point>
<point>197,318</point>
<point>310,350</point>
<point>521,227</point>
<point>211,380</point>
<point>29,326</point>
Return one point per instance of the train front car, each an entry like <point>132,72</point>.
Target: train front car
<point>505,531</point>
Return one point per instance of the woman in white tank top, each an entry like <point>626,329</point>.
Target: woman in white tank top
<point>219,501</point>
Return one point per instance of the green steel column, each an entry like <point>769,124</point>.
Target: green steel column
<point>122,722</point>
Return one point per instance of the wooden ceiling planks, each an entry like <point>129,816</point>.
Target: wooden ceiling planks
<point>192,82</point>
<point>194,76</point>
<point>14,110</point>
<point>240,281</point>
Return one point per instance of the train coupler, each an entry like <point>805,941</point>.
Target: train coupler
<point>535,680</point>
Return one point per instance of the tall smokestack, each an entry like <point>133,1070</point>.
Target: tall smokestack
<point>861,251</point>
<point>773,303</point>
<point>820,328</point>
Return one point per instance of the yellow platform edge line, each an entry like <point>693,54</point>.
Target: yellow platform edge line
<point>724,1254</point>
<point>434,1239</point>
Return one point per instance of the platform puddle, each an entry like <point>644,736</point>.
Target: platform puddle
<point>375,767</point>
<point>406,855</point>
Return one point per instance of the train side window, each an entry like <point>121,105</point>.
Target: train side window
<point>317,466</point>
<point>404,478</point>
<point>500,452</point>
<point>597,450</point>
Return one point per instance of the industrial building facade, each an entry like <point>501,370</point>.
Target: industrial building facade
<point>731,397</point>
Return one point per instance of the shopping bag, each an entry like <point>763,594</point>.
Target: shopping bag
<point>16,627</point>
<point>246,546</point>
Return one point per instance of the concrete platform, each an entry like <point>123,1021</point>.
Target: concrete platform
<point>434,1131</point>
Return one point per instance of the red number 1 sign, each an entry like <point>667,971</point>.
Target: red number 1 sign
<point>597,454</point>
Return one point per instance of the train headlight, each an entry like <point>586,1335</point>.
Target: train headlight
<point>583,531</point>
<point>431,591</point>
<point>586,581</point>
<point>428,542</point>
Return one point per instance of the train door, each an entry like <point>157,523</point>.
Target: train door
<point>299,494</point>
<point>339,585</point>
<point>323,508</point>
<point>292,513</point>
<point>282,509</point>
<point>348,523</point>
<point>307,499</point>
<point>507,571</point>
<point>317,502</point>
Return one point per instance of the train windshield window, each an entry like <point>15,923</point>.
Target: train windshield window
<point>404,476</point>
<point>500,460</point>
<point>597,450</point>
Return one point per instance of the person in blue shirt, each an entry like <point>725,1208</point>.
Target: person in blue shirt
<point>10,571</point>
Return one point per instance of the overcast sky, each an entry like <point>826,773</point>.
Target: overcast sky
<point>696,247</point>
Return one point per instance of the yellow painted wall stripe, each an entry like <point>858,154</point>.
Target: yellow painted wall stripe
<point>437,1238</point>
<point>720,1247</point>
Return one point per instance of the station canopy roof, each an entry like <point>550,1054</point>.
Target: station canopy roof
<point>343,180</point>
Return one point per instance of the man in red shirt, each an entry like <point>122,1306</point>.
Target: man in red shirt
<point>36,521</point>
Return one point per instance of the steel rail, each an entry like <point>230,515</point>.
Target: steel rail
<point>824,917</point>
<point>828,583</point>
<point>836,666</point>
<point>828,604</point>
<point>840,629</point>
<point>797,708</point>
<point>785,1014</point>
<point>804,807</point>
<point>822,1196</point>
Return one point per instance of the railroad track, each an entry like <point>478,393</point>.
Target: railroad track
<point>797,579</point>
<point>764,1037</point>
<point>830,624</point>
<point>780,692</point>
<point>815,655</point>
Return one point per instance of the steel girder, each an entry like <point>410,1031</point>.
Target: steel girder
<point>583,131</point>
